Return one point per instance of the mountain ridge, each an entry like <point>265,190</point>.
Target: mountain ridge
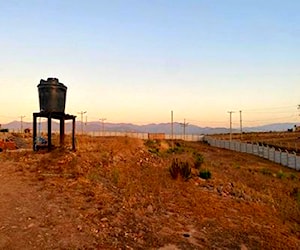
<point>94,126</point>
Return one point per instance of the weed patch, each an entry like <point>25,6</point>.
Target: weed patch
<point>281,174</point>
<point>266,171</point>
<point>177,148</point>
<point>115,175</point>
<point>153,146</point>
<point>199,159</point>
<point>180,168</point>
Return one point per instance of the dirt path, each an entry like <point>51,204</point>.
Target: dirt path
<point>29,221</point>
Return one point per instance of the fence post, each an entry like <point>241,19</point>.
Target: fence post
<point>280,152</point>
<point>287,158</point>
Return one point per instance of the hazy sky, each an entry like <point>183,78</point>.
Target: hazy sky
<point>135,61</point>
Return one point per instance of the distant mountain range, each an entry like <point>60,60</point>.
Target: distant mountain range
<point>149,128</point>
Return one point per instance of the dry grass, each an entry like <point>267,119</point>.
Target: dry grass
<point>123,191</point>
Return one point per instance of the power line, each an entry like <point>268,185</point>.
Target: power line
<point>272,119</point>
<point>267,109</point>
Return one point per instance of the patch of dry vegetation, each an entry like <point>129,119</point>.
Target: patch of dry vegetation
<point>125,196</point>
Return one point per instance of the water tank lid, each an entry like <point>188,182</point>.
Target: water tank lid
<point>52,81</point>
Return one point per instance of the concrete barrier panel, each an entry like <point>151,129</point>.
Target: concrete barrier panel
<point>284,158</point>
<point>261,151</point>
<point>277,157</point>
<point>298,163</point>
<point>272,154</point>
<point>266,152</point>
<point>291,161</point>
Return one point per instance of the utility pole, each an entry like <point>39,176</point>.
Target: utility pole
<point>172,128</point>
<point>184,125</point>
<point>85,124</point>
<point>230,113</point>
<point>81,114</point>
<point>241,124</point>
<point>102,125</point>
<point>22,116</point>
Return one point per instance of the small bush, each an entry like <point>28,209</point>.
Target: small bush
<point>292,176</point>
<point>153,146</point>
<point>115,175</point>
<point>281,174</point>
<point>266,171</point>
<point>199,159</point>
<point>236,166</point>
<point>180,168</point>
<point>296,194</point>
<point>185,170</point>
<point>205,174</point>
<point>176,149</point>
<point>93,176</point>
<point>174,169</point>
<point>153,150</point>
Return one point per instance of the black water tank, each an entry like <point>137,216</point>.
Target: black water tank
<point>52,95</point>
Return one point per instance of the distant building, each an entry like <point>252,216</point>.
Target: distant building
<point>156,136</point>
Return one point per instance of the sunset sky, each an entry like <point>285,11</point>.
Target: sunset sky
<point>134,61</point>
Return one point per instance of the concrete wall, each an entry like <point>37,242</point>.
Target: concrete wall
<point>291,160</point>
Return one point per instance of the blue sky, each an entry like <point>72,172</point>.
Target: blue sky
<point>135,61</point>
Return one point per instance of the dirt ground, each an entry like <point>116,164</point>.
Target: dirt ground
<point>117,193</point>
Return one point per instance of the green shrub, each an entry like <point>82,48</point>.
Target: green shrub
<point>150,143</point>
<point>292,176</point>
<point>199,159</point>
<point>153,150</point>
<point>153,146</point>
<point>176,150</point>
<point>281,174</point>
<point>205,174</point>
